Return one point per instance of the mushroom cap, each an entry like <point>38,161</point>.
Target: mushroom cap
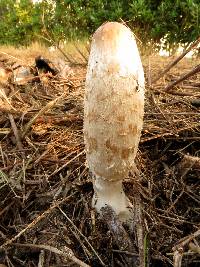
<point>114,102</point>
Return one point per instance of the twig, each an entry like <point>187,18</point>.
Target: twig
<point>177,258</point>
<point>51,41</point>
<point>194,248</point>
<point>59,119</point>
<point>80,52</point>
<point>175,201</point>
<point>87,46</point>
<point>15,131</point>
<point>185,86</point>
<point>6,208</point>
<point>138,221</point>
<point>187,163</point>
<point>41,259</point>
<point>149,73</point>
<point>66,164</point>
<point>143,140</point>
<point>184,241</point>
<point>172,113</point>
<point>183,77</point>
<point>4,97</point>
<point>74,226</point>
<point>5,179</point>
<point>36,220</point>
<point>5,131</point>
<point>172,92</point>
<point>54,119</point>
<point>182,93</point>
<point>172,64</point>
<point>171,135</point>
<point>41,112</point>
<point>164,115</point>
<point>125,252</point>
<point>69,254</point>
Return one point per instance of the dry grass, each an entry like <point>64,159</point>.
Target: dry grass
<point>28,54</point>
<point>45,189</point>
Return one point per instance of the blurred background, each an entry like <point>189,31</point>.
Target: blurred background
<point>156,23</point>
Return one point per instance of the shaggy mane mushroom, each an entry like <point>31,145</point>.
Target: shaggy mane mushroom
<point>113,114</point>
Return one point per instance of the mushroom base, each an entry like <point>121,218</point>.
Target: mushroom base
<point>111,193</point>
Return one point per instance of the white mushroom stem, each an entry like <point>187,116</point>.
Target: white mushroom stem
<point>113,113</point>
<point>111,194</point>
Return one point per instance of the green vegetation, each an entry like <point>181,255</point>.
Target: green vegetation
<point>22,21</point>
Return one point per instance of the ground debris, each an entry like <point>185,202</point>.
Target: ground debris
<point>45,189</point>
